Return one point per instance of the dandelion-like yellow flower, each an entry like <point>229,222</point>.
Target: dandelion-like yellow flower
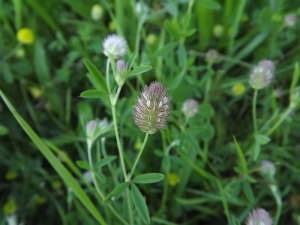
<point>238,89</point>
<point>173,179</point>
<point>25,36</point>
<point>151,39</point>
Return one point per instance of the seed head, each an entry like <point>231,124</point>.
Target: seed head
<point>152,109</point>
<point>290,20</point>
<point>267,168</point>
<point>262,75</point>
<point>115,46</point>
<point>190,107</point>
<point>259,217</point>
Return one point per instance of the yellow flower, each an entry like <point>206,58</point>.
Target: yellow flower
<point>218,30</point>
<point>35,91</point>
<point>151,39</point>
<point>238,89</point>
<point>112,26</point>
<point>173,179</point>
<point>10,207</point>
<point>96,12</point>
<point>25,36</point>
<point>11,175</point>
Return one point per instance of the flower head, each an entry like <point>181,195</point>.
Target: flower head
<point>262,75</point>
<point>115,46</point>
<point>238,89</point>
<point>152,109</point>
<point>96,12</point>
<point>218,30</point>
<point>25,36</point>
<point>173,179</point>
<point>259,217</point>
<point>290,20</point>
<point>190,107</point>
<point>212,56</point>
<point>121,66</point>
<point>267,168</point>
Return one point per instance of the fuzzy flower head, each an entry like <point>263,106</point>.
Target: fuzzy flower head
<point>25,36</point>
<point>115,46</point>
<point>152,109</point>
<point>262,75</point>
<point>290,20</point>
<point>259,217</point>
<point>212,56</point>
<point>267,168</point>
<point>190,108</point>
<point>96,12</point>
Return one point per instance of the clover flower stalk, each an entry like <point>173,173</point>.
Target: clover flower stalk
<point>260,77</point>
<point>151,112</point>
<point>259,217</point>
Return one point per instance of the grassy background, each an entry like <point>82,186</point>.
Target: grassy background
<point>216,181</point>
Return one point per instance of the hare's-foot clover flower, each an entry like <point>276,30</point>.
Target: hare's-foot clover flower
<point>290,20</point>
<point>120,75</point>
<point>262,75</point>
<point>259,217</point>
<point>267,168</point>
<point>190,107</point>
<point>96,12</point>
<point>115,46</point>
<point>25,36</point>
<point>152,108</point>
<point>212,56</point>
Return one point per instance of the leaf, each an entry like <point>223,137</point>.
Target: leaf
<point>101,176</point>
<point>148,178</point>
<point>166,49</point>
<point>140,204</point>
<point>96,76</point>
<point>210,4</point>
<point>206,111</point>
<point>116,193</point>
<point>83,165</point>
<point>56,164</point>
<point>248,192</point>
<point>262,139</point>
<point>132,59</point>
<point>241,156</point>
<point>104,161</point>
<point>295,77</point>
<point>3,130</point>
<point>139,70</point>
<point>93,94</point>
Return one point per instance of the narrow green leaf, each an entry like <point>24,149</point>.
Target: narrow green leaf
<point>101,176</point>
<point>3,130</point>
<point>56,164</point>
<point>248,191</point>
<point>166,49</point>
<point>148,178</point>
<point>210,4</point>
<point>116,193</point>
<point>96,76</point>
<point>104,161</point>
<point>262,139</point>
<point>83,165</point>
<point>295,77</point>
<point>241,156</point>
<point>132,59</point>
<point>139,70</point>
<point>93,94</point>
<point>140,204</point>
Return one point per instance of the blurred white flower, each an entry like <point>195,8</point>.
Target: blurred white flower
<point>115,46</point>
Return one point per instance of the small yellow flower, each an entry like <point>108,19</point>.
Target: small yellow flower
<point>36,92</point>
<point>218,30</point>
<point>96,12</point>
<point>276,17</point>
<point>10,207</point>
<point>112,26</point>
<point>238,89</point>
<point>25,36</point>
<point>11,175</point>
<point>151,39</point>
<point>173,179</point>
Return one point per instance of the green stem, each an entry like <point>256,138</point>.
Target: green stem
<point>11,53</point>
<point>277,197</point>
<point>113,108</point>
<point>284,115</point>
<point>107,76</point>
<point>139,156</point>
<point>89,148</point>
<point>254,111</point>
